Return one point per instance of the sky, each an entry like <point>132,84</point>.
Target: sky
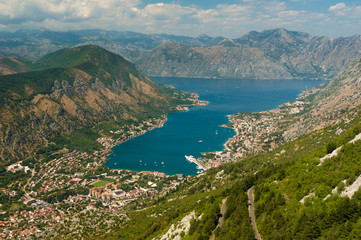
<point>227,18</point>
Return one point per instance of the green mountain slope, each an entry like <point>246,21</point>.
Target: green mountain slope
<point>69,90</point>
<point>11,65</point>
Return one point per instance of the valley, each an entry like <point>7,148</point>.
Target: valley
<point>62,114</point>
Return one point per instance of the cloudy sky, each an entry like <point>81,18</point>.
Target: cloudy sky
<point>228,18</point>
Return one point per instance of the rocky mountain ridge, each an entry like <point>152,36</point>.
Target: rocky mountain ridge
<point>270,54</point>
<point>33,44</point>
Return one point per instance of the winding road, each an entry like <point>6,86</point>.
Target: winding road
<point>251,213</point>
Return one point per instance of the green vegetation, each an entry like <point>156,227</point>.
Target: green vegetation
<point>83,140</point>
<point>60,195</point>
<point>26,85</point>
<point>100,183</point>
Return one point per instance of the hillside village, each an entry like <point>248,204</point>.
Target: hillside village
<point>67,182</point>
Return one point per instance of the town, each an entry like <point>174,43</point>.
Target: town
<point>66,182</point>
<point>262,131</point>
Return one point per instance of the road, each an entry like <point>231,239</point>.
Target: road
<point>223,211</point>
<point>251,213</point>
<point>220,220</point>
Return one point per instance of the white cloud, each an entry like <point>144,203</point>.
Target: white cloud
<point>230,20</point>
<point>20,11</point>
<point>165,12</point>
<point>337,7</point>
<point>342,10</point>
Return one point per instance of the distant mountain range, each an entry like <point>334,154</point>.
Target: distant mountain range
<point>270,54</point>
<point>276,53</point>
<point>33,44</point>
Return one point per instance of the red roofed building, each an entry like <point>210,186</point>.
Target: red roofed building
<point>76,180</point>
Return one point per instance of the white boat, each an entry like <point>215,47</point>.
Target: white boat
<point>162,162</point>
<point>200,141</point>
<point>216,132</point>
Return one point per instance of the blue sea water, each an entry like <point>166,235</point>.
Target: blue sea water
<point>163,149</point>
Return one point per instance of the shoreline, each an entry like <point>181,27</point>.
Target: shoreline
<point>161,121</point>
<point>258,128</point>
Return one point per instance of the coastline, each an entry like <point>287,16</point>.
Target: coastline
<point>109,143</point>
<point>263,131</point>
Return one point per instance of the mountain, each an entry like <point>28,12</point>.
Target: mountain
<point>69,90</point>
<point>33,44</point>
<point>270,54</point>
<point>331,103</point>
<point>221,61</point>
<point>11,65</point>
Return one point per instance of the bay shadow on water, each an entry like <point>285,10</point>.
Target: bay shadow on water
<point>198,130</point>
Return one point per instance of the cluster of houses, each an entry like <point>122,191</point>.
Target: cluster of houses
<point>113,191</point>
<point>30,219</point>
<point>133,131</point>
<point>18,167</point>
<point>253,131</point>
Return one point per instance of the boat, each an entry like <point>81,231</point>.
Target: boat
<point>162,162</point>
<point>216,132</point>
<point>200,141</point>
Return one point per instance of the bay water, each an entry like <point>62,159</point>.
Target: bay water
<point>199,130</point>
